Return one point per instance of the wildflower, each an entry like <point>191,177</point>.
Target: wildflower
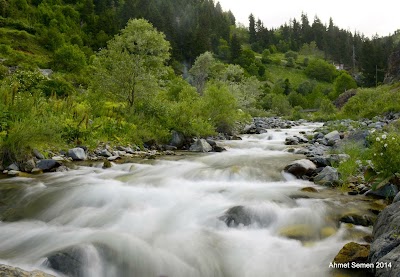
<point>393,138</point>
<point>381,154</point>
<point>372,131</point>
<point>384,136</point>
<point>378,139</point>
<point>385,145</point>
<point>375,154</point>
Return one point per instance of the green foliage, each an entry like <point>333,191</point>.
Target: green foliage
<point>291,54</point>
<point>290,62</point>
<point>266,56</point>
<point>201,70</point>
<point>371,102</point>
<point>342,83</point>
<point>353,166</point>
<point>220,107</point>
<point>131,66</point>
<point>385,153</point>
<point>69,58</point>
<point>321,70</point>
<point>277,104</point>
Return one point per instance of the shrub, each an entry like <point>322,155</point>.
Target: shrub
<point>385,153</point>
<point>69,58</point>
<point>291,54</point>
<point>321,70</point>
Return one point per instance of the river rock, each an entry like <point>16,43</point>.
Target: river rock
<point>70,261</point>
<point>177,140</point>
<point>10,271</point>
<point>13,166</point>
<point>320,161</point>
<point>396,198</point>
<point>356,219</point>
<point>235,216</point>
<point>13,173</point>
<point>329,176</point>
<point>353,252</point>
<point>107,164</point>
<point>200,145</point>
<point>27,166</point>
<point>386,245</point>
<point>77,154</point>
<point>300,168</point>
<point>167,147</point>
<point>38,155</point>
<point>332,137</point>
<point>298,231</point>
<point>292,141</point>
<point>387,191</point>
<point>309,189</point>
<point>218,148</point>
<point>250,129</point>
<point>48,164</point>
<point>105,153</point>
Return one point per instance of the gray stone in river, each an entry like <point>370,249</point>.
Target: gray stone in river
<point>200,145</point>
<point>77,154</point>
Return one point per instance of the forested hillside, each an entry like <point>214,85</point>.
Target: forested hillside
<point>131,72</point>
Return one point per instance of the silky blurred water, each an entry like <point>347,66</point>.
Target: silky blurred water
<point>162,218</point>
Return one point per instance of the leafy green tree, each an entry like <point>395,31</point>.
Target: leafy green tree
<point>342,83</point>
<point>132,63</point>
<point>201,70</point>
<point>220,106</point>
<point>321,70</point>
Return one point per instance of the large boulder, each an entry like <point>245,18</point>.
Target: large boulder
<point>10,271</point>
<point>385,248</point>
<point>177,140</point>
<point>77,154</point>
<point>329,176</point>
<point>200,145</point>
<point>332,137</point>
<point>48,164</point>
<point>300,168</point>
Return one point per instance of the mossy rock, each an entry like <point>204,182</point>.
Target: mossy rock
<point>353,252</point>
<point>327,232</point>
<point>107,164</point>
<point>298,231</point>
<point>309,189</point>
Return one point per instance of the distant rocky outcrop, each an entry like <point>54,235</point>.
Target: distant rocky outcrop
<point>393,72</point>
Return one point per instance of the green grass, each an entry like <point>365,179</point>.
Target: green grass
<point>20,47</point>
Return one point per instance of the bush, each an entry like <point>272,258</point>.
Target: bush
<point>291,54</point>
<point>385,154</point>
<point>342,83</point>
<point>321,70</point>
<point>69,58</point>
<point>220,107</point>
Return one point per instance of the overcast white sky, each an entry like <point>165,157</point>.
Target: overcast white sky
<point>369,17</point>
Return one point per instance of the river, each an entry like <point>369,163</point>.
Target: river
<point>165,217</point>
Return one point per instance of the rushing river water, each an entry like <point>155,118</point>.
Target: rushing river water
<point>164,217</point>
